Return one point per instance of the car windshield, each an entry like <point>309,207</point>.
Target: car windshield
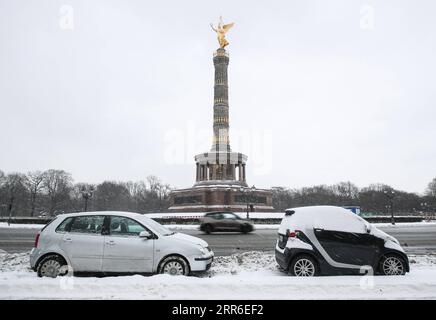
<point>156,226</point>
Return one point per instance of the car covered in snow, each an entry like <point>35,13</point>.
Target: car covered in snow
<point>115,242</point>
<point>329,240</point>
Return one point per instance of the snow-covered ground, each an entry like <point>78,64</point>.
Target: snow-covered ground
<point>249,275</point>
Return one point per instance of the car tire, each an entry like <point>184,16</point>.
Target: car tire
<point>304,266</point>
<point>52,266</point>
<point>174,265</point>
<point>392,265</point>
<point>208,229</point>
<point>245,228</point>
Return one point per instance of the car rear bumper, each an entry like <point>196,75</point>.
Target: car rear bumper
<point>35,254</point>
<point>282,258</point>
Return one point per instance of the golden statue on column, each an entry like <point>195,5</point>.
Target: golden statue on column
<point>221,31</point>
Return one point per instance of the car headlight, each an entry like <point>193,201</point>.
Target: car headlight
<point>203,250</point>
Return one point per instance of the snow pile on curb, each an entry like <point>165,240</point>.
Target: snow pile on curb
<point>422,261</point>
<point>249,275</point>
<point>14,262</point>
<point>251,261</point>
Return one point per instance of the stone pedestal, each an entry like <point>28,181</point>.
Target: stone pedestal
<point>220,197</point>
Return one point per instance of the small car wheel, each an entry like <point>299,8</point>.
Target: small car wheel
<point>392,265</point>
<point>51,266</point>
<point>175,266</point>
<point>304,266</point>
<point>208,229</point>
<point>245,228</point>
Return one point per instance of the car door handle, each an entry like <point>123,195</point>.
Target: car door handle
<point>318,229</point>
<point>112,242</point>
<point>68,239</point>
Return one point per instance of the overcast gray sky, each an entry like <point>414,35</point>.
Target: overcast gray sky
<point>320,91</point>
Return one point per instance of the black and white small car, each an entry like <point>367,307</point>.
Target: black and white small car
<point>328,240</point>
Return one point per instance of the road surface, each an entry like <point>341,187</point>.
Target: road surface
<point>415,239</point>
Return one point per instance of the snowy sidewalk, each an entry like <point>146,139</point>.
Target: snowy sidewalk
<point>250,275</point>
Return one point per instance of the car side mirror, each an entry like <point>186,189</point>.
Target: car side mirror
<point>368,228</point>
<point>145,234</point>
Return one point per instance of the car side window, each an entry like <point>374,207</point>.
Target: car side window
<point>125,227</point>
<point>229,216</point>
<point>87,224</point>
<point>219,216</point>
<point>65,225</point>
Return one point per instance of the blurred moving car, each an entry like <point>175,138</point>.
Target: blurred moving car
<point>115,242</point>
<point>327,240</point>
<point>225,221</point>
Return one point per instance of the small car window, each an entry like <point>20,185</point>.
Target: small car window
<point>65,225</point>
<point>87,224</point>
<point>229,216</point>
<point>125,226</point>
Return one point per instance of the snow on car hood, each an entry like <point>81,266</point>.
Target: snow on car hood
<point>189,239</point>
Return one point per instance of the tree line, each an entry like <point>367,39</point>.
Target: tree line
<point>52,192</point>
<point>371,199</point>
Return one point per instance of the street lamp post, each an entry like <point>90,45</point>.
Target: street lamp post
<point>253,188</point>
<point>390,194</point>
<point>245,197</point>
<point>248,197</point>
<point>425,209</point>
<point>87,193</point>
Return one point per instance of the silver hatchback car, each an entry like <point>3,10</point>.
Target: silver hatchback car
<point>115,242</point>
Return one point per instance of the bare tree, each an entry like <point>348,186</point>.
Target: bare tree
<point>111,195</point>
<point>14,191</point>
<point>160,191</point>
<point>431,189</point>
<point>34,186</point>
<point>346,192</point>
<point>57,184</point>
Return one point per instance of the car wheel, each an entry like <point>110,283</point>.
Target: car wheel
<point>208,228</point>
<point>245,228</point>
<point>392,265</point>
<point>175,266</point>
<point>52,266</point>
<point>304,266</point>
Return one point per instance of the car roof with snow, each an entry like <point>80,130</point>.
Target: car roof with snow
<point>322,217</point>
